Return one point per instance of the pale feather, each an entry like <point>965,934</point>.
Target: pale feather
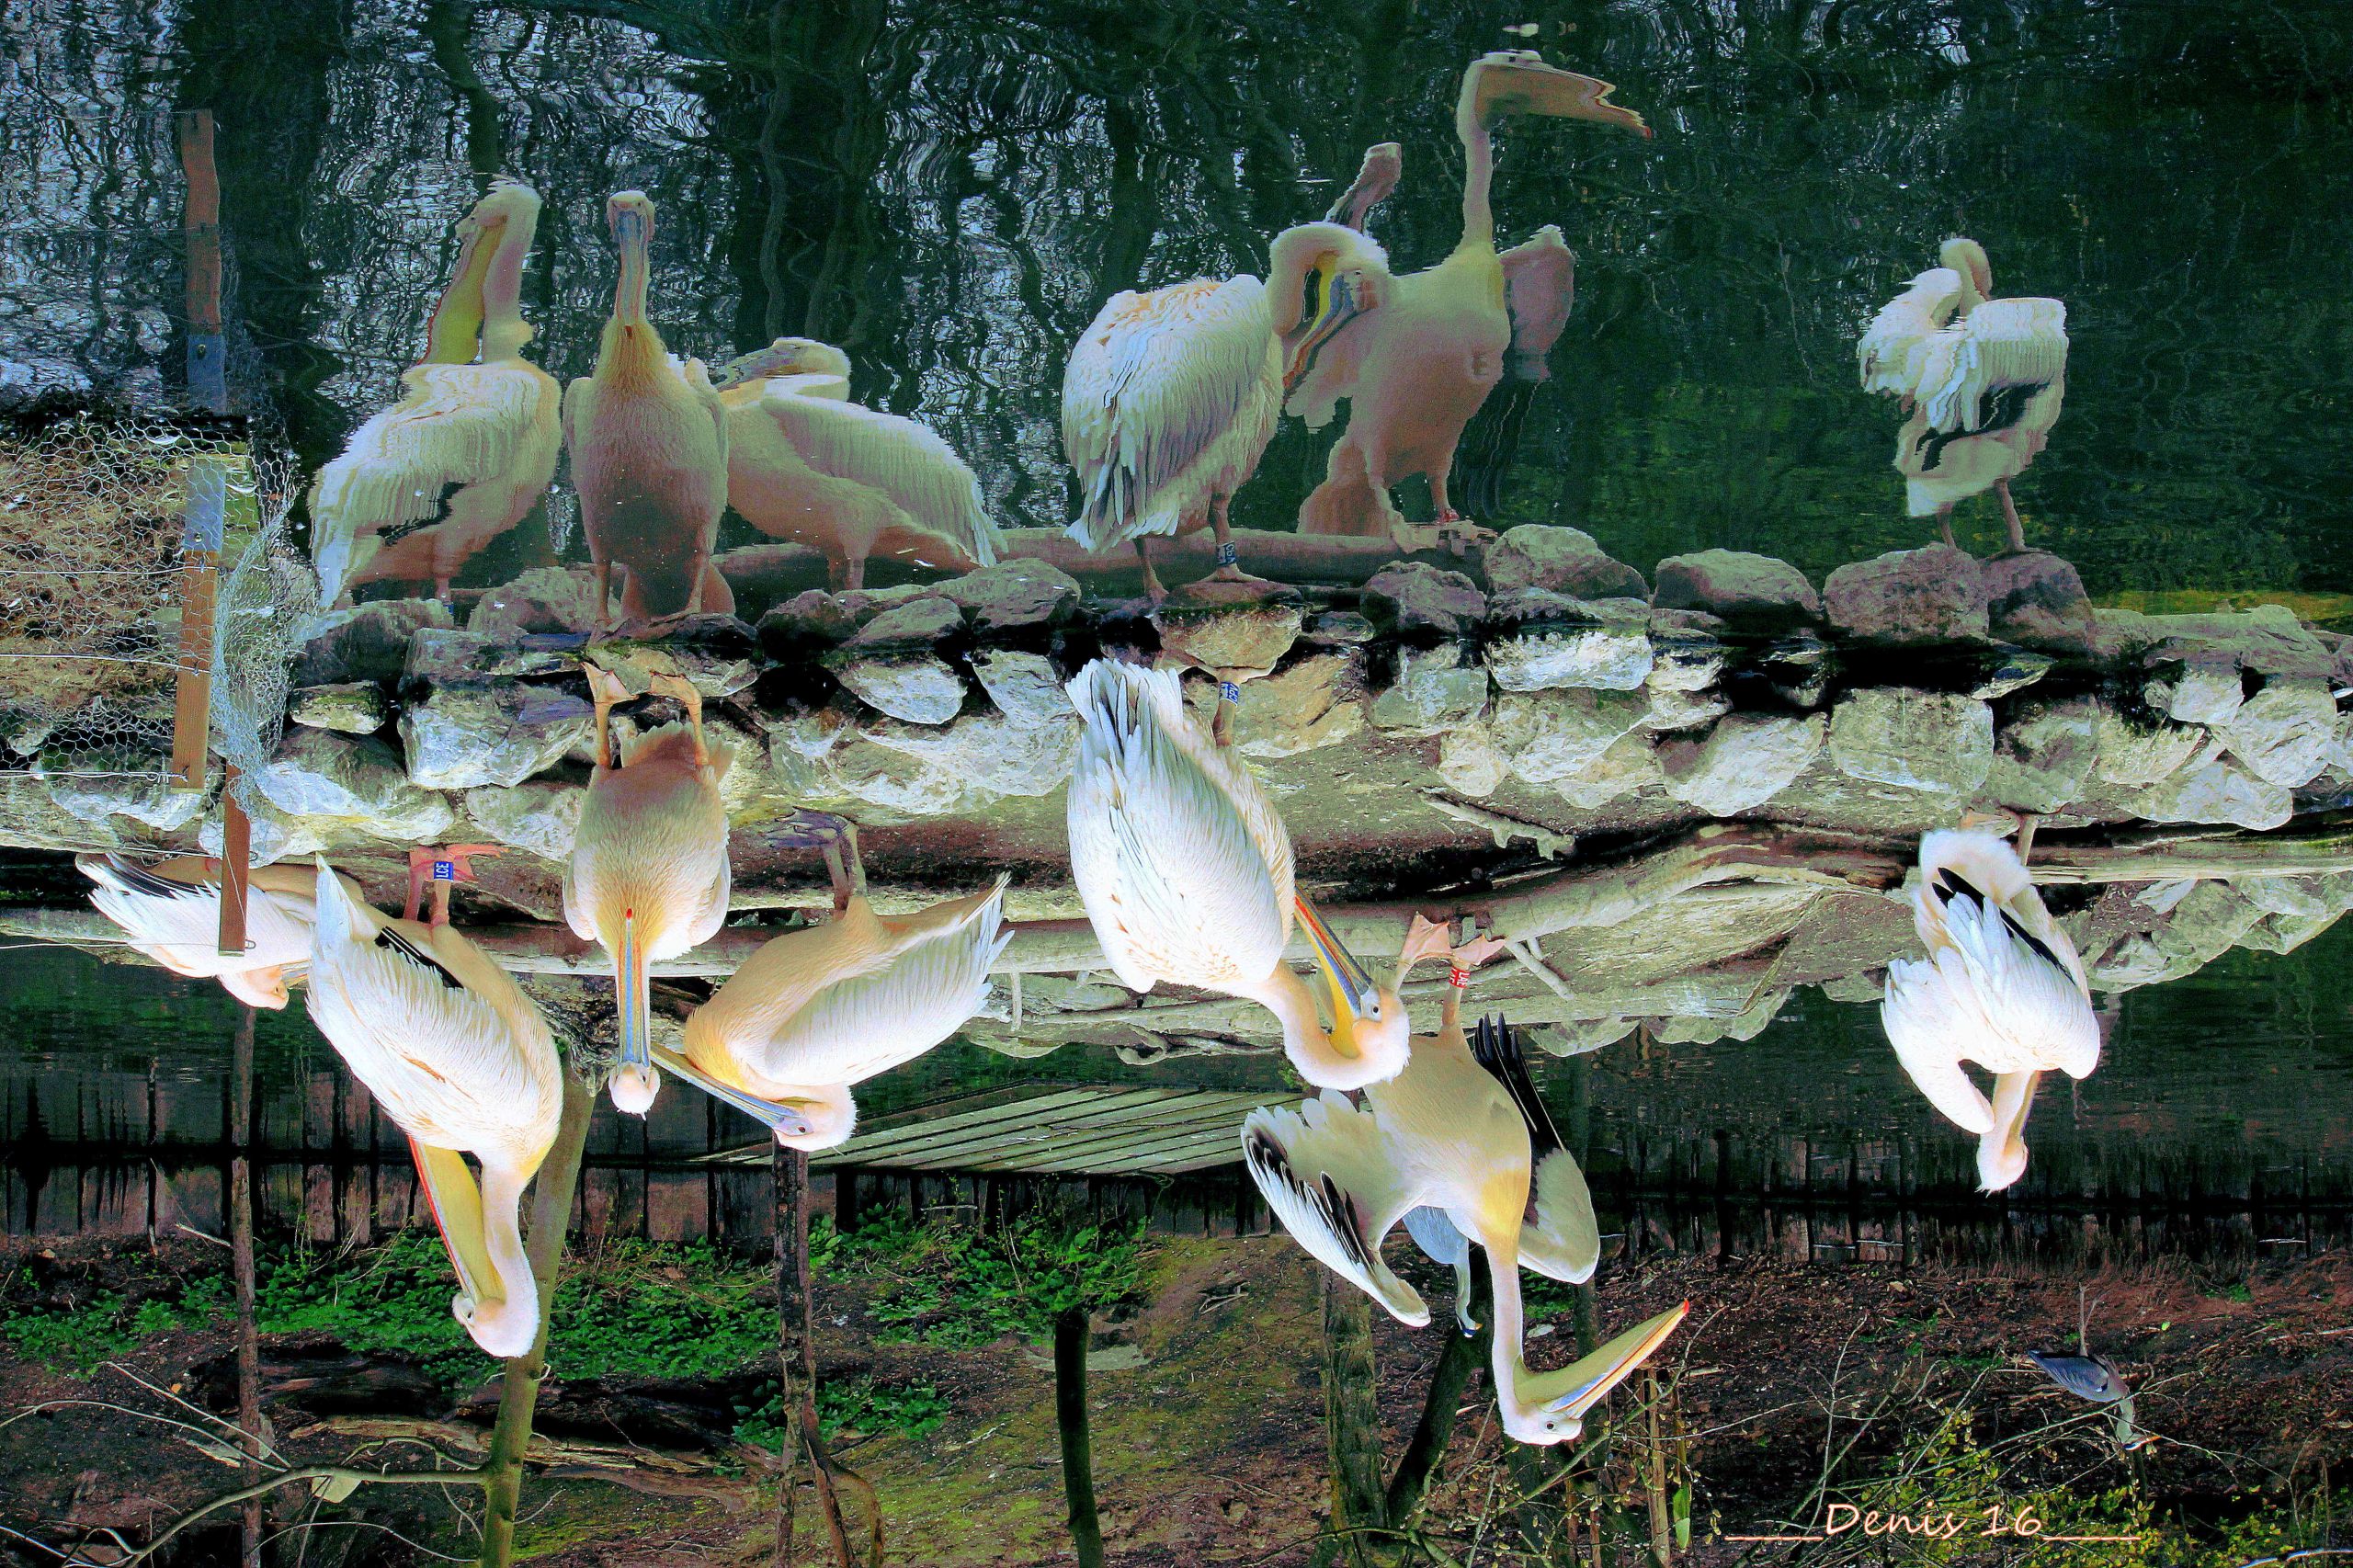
<point>1563,1240</point>
<point>1539,289</point>
<point>908,463</point>
<point>1325,1170</point>
<point>177,921</point>
<point>1888,354</point>
<point>2001,343</point>
<point>653,839</point>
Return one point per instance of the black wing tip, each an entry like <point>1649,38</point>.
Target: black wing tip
<point>1496,1047</point>
<point>391,941</point>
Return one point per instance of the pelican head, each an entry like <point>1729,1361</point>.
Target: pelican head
<point>2001,1157</point>
<point>786,356</point>
<point>503,1328</point>
<point>1320,276</point>
<point>634,1087</point>
<point>810,1120</point>
<point>1564,1399</point>
<point>1517,81</point>
<point>1370,1033</point>
<point>631,216</point>
<point>1384,164</point>
<point>1967,258</point>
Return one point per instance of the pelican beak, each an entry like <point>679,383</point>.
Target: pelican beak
<point>634,1082</point>
<point>1522,84</point>
<point>1610,1366</point>
<point>782,1120</point>
<point>1334,307</point>
<point>456,1202</point>
<point>1353,993</point>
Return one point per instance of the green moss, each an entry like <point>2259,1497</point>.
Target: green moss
<point>958,1286</point>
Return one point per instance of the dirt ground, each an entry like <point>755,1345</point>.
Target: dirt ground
<point>1207,1413</point>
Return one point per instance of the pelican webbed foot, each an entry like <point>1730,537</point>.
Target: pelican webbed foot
<point>441,868</point>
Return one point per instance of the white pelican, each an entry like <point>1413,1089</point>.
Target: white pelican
<point>171,914</point>
<point>1377,175</point>
<point>820,1009</point>
<point>458,1056</point>
<point>649,876</point>
<point>1460,1130</point>
<point>468,448</point>
<point>804,464</point>
<point>649,451</point>
<point>1416,356</point>
<point>1982,380</point>
<point>1186,872</point>
<point>2002,987</point>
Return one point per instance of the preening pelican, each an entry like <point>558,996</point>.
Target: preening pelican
<point>804,464</point>
<point>820,1009</point>
<point>2002,987</point>
<point>468,448</point>
<point>1982,380</point>
<point>649,876</point>
<point>1416,356</point>
<point>1460,1131</point>
<point>171,914</point>
<point>458,1056</point>
<point>649,451</point>
<point>1186,872</point>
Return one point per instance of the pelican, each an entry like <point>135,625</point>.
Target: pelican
<point>171,914</point>
<point>1186,872</point>
<point>1416,356</point>
<point>804,464</point>
<point>820,1009</point>
<point>649,874</point>
<point>2002,987</point>
<point>459,1057</point>
<point>1980,379</point>
<point>649,451</point>
<point>1462,1132</point>
<point>468,450</point>
<point>1377,175</point>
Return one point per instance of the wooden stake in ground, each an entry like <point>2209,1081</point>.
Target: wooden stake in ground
<point>797,1369</point>
<point>236,866</point>
<point>241,1264</point>
<point>205,509</point>
<point>1071,1336</point>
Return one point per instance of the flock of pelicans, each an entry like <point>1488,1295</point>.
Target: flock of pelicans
<point>1182,861</point>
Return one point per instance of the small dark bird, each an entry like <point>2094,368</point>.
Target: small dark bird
<point>2096,1379</point>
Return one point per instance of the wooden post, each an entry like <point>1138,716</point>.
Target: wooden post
<point>204,511</point>
<point>1070,1338</point>
<point>240,1263</point>
<point>236,865</point>
<point>208,382</point>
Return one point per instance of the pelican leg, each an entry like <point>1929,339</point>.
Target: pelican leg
<point>854,574</point>
<point>682,691</point>
<point>1151,589</point>
<point>1229,570</point>
<point>845,864</point>
<point>1944,521</point>
<point>1462,1287</point>
<point>604,570</point>
<point>605,689</point>
<point>441,588</point>
<point>422,862</point>
<point>2010,515</point>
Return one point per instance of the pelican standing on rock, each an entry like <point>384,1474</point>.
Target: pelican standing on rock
<point>1461,1131</point>
<point>1416,356</point>
<point>459,1058</point>
<point>2002,987</point>
<point>1980,379</point>
<point>649,877</point>
<point>171,914</point>
<point>1186,872</point>
<point>804,464</point>
<point>817,1010</point>
<point>649,451</point>
<point>468,449</point>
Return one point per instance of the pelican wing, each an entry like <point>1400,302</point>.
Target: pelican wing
<point>1539,286</point>
<point>1563,1240</point>
<point>1437,1235</point>
<point>1889,352</point>
<point>907,462</point>
<point>176,919</point>
<point>2028,992</point>
<point>1325,1170</point>
<point>1179,858</point>
<point>1996,361</point>
<point>454,428</point>
<point>1496,1045</point>
<point>1154,381</point>
<point>1927,1023</point>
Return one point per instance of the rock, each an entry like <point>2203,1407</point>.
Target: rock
<point>863,605</point>
<point>1340,626</point>
<point>1604,645</point>
<point>1470,762</point>
<point>1555,735</point>
<point>1915,739</point>
<point>318,773</point>
<point>2208,692</point>
<point>548,599</point>
<point>918,621</point>
<point>1684,660</point>
<point>2218,792</point>
<point>1297,710</point>
<point>355,708</point>
<point>1746,761</point>
<point>1675,712</point>
<point>2268,640</point>
<point>369,641</point>
<point>2284,733</point>
<point>1868,986</point>
<point>1240,641</point>
<point>1755,593</point>
<point>146,798</point>
<point>1433,692</point>
<point>2287,895</point>
<point>2137,756</point>
<point>1932,595</point>
<point>2286,933</point>
<point>2010,670</point>
<point>273,835</point>
<point>2043,758</point>
<point>1581,1035</point>
<point>539,817</point>
<point>1798,668</point>
<point>1627,766</point>
<point>813,617</point>
<point>466,721</point>
<point>2037,601</point>
<point>717,654</point>
<point>1567,561</point>
<point>1413,596</point>
<point>1700,1029</point>
<point>1023,686</point>
<point>1013,593</point>
<point>917,686</point>
<point>970,763</point>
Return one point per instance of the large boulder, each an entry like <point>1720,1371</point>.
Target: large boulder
<point>2036,600</point>
<point>1297,710</point>
<point>1435,691</point>
<point>2208,691</point>
<point>1935,595</point>
<point>467,720</point>
<point>2283,734</point>
<point>1554,735</point>
<point>1015,594</point>
<point>916,622</point>
<point>1470,762</point>
<point>354,708</point>
<point>1413,596</point>
<point>1630,765</point>
<point>2137,754</point>
<point>358,779</point>
<point>1023,686</point>
<point>545,599</point>
<point>962,766</point>
<point>368,642</point>
<point>1754,593</point>
<point>1239,641</point>
<point>1567,561</point>
<point>917,686</point>
<point>1561,643</point>
<point>1915,739</point>
<point>2043,758</point>
<point>811,619</point>
<point>1745,761</point>
<point>2221,792</point>
<point>539,817</point>
<point>147,798</point>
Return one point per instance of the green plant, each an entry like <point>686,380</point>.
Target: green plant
<point>857,1404</point>
<point>958,1286</point>
<point>77,1340</point>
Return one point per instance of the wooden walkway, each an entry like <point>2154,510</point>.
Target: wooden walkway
<point>1050,1130</point>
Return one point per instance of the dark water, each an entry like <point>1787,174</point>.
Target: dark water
<point>949,189</point>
